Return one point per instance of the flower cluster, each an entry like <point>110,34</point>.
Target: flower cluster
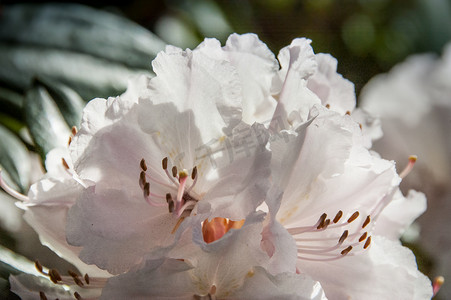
<point>229,175</point>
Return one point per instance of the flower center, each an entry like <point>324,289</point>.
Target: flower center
<point>179,200</point>
<point>216,228</point>
<point>333,242</point>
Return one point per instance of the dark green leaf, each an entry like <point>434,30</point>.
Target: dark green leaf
<point>90,77</point>
<point>45,122</point>
<point>14,158</point>
<point>81,29</point>
<point>69,102</point>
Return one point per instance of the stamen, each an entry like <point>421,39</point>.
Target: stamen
<point>74,130</point>
<point>164,163</point>
<point>338,216</point>
<point>142,179</point>
<point>437,284</point>
<point>348,113</point>
<point>69,141</point>
<point>54,275</point>
<point>143,165</point>
<point>87,278</point>
<point>42,295</point>
<point>181,190</point>
<point>194,173</point>
<point>174,171</point>
<point>346,251</point>
<point>10,190</point>
<point>353,217</point>
<point>409,167</point>
<point>367,221</point>
<point>327,105</point>
<point>38,266</point>
<point>171,206</point>
<point>367,243</point>
<point>343,237</point>
<point>321,221</point>
<point>363,237</point>
<point>177,225</point>
<point>64,162</point>
<point>77,296</point>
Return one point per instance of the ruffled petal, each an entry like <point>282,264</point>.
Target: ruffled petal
<point>124,229</point>
<point>334,91</point>
<point>256,66</point>
<point>298,64</point>
<point>386,271</point>
<point>193,81</point>
<point>400,213</point>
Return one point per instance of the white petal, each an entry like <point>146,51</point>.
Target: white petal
<point>124,229</point>
<point>157,279</point>
<point>400,214</point>
<point>297,65</point>
<point>262,285</point>
<point>386,271</point>
<point>193,81</point>
<point>331,87</point>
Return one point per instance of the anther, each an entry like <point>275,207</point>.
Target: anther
<point>353,217</point>
<point>54,275</point>
<point>174,171</point>
<point>77,296</point>
<point>367,221</point>
<point>437,284</point>
<point>194,173</point>
<point>327,105</point>
<point>74,130</point>
<point>146,189</point>
<point>42,295</point>
<point>326,223</point>
<point>343,237</point>
<point>409,167</point>
<point>87,278</point>
<point>164,163</point>
<point>363,237</point>
<point>338,216</point>
<point>143,165</point>
<point>346,251</point>
<point>142,179</point>
<point>72,273</point>
<point>69,141</point>
<point>38,266</point>
<point>367,243</point>
<point>65,165</point>
<point>168,197</point>
<point>171,206</point>
<point>348,112</point>
<point>321,221</point>
<point>360,126</point>
<point>78,282</point>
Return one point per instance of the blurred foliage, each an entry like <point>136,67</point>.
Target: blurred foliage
<point>54,57</point>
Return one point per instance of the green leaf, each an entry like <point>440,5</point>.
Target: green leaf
<point>45,122</point>
<point>14,159</point>
<point>81,29</point>
<point>90,77</point>
<point>69,102</point>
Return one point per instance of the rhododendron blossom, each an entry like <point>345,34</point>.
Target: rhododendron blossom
<point>226,176</point>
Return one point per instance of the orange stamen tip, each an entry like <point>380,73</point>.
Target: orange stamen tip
<point>413,158</point>
<point>437,284</point>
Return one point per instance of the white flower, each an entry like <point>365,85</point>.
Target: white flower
<point>328,192</point>
<point>413,102</point>
<point>167,174</point>
<point>233,267</point>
